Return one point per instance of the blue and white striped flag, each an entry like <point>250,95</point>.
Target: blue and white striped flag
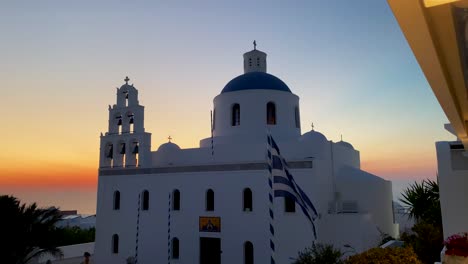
<point>284,184</point>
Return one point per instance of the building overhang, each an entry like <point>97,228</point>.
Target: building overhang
<point>437,32</point>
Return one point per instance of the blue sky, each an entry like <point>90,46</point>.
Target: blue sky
<point>347,60</point>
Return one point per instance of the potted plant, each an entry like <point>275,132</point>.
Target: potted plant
<point>456,249</point>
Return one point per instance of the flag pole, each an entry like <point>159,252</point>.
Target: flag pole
<point>271,199</point>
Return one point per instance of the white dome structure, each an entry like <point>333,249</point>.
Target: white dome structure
<point>315,142</point>
<point>344,144</point>
<point>168,148</point>
<point>167,154</point>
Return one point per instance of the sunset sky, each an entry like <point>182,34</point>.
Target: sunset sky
<point>62,60</point>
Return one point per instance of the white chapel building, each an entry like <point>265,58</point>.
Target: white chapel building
<point>209,205</point>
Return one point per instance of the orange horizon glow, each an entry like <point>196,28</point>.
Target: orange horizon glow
<point>64,175</point>
<point>56,175</point>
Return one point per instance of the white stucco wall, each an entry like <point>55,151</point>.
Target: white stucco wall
<point>453,181</point>
<point>333,177</point>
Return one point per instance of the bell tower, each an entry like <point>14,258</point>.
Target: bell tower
<point>255,60</point>
<point>126,144</point>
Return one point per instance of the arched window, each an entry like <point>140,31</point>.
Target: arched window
<point>214,119</point>
<point>248,253</point>
<point>175,248</point>
<point>145,203</point>
<point>271,113</point>
<point>135,150</point>
<point>209,200</point>
<point>289,205</point>
<point>247,200</point>
<point>118,119</point>
<point>296,117</point>
<point>110,151</point>
<point>176,200</point>
<point>126,97</point>
<point>115,244</point>
<point>116,200</point>
<point>131,121</point>
<point>122,152</point>
<point>235,119</point>
<point>122,148</point>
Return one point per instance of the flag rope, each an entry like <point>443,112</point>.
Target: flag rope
<point>169,231</point>
<point>212,128</point>
<point>271,207</point>
<point>137,229</point>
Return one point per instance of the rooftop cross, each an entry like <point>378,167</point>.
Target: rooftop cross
<point>126,80</point>
<point>170,138</point>
<point>312,126</point>
<point>341,137</point>
<point>255,45</point>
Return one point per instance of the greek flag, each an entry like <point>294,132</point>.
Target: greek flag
<point>284,184</point>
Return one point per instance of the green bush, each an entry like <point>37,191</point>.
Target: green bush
<point>385,256</point>
<point>427,241</point>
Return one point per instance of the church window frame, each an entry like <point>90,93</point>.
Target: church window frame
<point>145,200</point>
<point>176,200</point>
<point>110,153</point>
<point>115,244</point>
<point>297,117</point>
<point>214,119</point>
<point>289,204</point>
<point>235,115</point>
<point>136,152</point>
<point>116,202</point>
<point>175,248</point>
<point>247,200</point>
<point>119,122</point>
<point>248,253</point>
<point>271,113</point>
<point>126,97</point>
<point>209,200</point>
<point>131,122</point>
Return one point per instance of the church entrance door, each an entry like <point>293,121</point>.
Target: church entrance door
<point>210,250</point>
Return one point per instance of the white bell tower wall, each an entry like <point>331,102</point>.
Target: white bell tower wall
<point>126,144</point>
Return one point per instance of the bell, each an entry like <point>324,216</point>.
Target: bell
<point>120,122</point>
<point>122,151</point>
<point>135,150</point>
<point>131,120</point>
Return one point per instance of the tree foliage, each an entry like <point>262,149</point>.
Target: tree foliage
<point>427,241</point>
<point>385,256</point>
<point>74,235</point>
<point>320,254</point>
<point>26,230</point>
<point>422,202</point>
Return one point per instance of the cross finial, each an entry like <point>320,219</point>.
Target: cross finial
<point>170,138</point>
<point>341,137</point>
<point>126,80</point>
<point>312,126</point>
<point>255,45</point>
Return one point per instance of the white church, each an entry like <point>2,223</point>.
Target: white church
<point>210,205</point>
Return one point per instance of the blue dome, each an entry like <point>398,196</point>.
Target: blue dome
<point>255,81</point>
